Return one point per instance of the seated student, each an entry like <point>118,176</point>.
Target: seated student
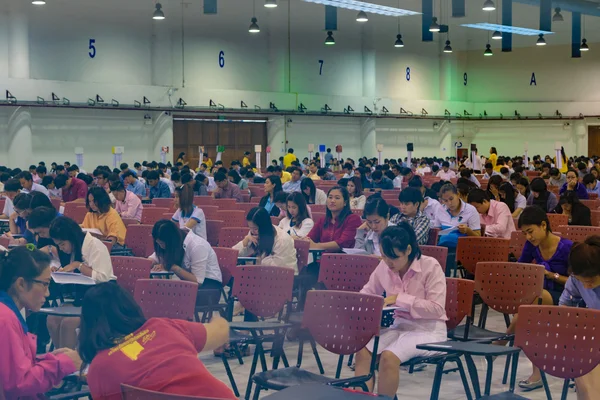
<point>24,281</point>
<point>489,171</point>
<point>557,178</point>
<point>591,184</point>
<point>584,285</point>
<point>355,189</point>
<point>297,221</point>
<point>48,183</point>
<point>493,187</point>
<point>312,172</point>
<point>271,245</point>
<point>325,175</point>
<point>294,184</point>
<point>201,187</point>
<point>494,214</point>
<point>87,255</point>
<point>430,206</point>
<point>381,182</point>
<point>272,189</point>
<point>175,179</point>
<point>86,178</point>
<point>377,214</point>
<point>134,184</point>
<point>189,257</point>
<point>72,189</point>
<point>416,284</point>
<point>28,185</point>
<point>103,217</point>
<point>545,170</point>
<point>541,197</point>
<point>158,189</point>
<point>165,361</point>
<point>578,213</point>
<point>519,201</point>
<point>410,212</point>
<point>468,174</point>
<point>550,251</point>
<point>235,177</point>
<point>226,189</point>
<point>446,173</point>
<point>523,187</point>
<point>188,216</point>
<point>573,185</point>
<point>128,204</point>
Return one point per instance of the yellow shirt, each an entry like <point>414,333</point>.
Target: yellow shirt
<point>285,177</point>
<point>110,224</point>
<point>288,160</point>
<point>245,162</point>
<point>493,158</point>
<point>564,168</point>
<point>208,163</point>
<point>314,177</point>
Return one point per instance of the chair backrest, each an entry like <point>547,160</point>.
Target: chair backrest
<point>517,243</point>
<point>591,204</point>
<point>561,341</point>
<point>166,298</point>
<point>129,269</point>
<point>459,300</point>
<point>302,251</point>
<point>227,262</point>
<point>595,217</point>
<point>577,233</point>
<point>245,207</point>
<point>225,204</point>
<point>130,221</point>
<point>153,214</point>
<point>164,203</point>
<point>263,290</point>
<point>257,190</point>
<point>55,203</point>
<point>317,216</point>
<point>433,236</point>
<point>504,286</point>
<point>210,212</point>
<point>440,253</point>
<point>593,196</point>
<point>557,219</point>
<point>77,213</point>
<point>472,249</point>
<point>318,208</point>
<point>346,272</point>
<point>109,246</point>
<point>232,218</point>
<point>229,237</point>
<point>134,393</point>
<point>342,322</point>
<point>204,201</point>
<point>213,231</point>
<point>139,240</point>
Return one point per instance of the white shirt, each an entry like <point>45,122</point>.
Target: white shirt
<point>433,207</point>
<point>170,183</point>
<point>95,254</point>
<point>358,203</point>
<point>320,197</point>
<point>446,175</point>
<point>55,193</point>
<point>8,207</point>
<point>197,215</point>
<point>307,225</point>
<point>283,254</point>
<point>199,259</point>
<point>423,170</point>
<point>520,202</point>
<point>35,187</point>
<point>397,181</point>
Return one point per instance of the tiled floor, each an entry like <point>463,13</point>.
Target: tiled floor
<point>414,386</point>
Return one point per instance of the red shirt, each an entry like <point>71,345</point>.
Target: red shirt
<point>162,356</point>
<point>77,190</point>
<point>343,234</point>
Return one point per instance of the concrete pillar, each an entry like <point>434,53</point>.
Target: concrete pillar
<point>368,137</point>
<point>368,61</point>
<point>162,67</point>
<point>581,137</point>
<point>20,143</point>
<point>18,42</point>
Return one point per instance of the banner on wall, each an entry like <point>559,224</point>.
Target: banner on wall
<point>220,150</point>
<point>338,150</point>
<point>164,150</point>
<point>117,152</point>
<point>526,155</point>
<point>322,150</point>
<point>557,147</point>
<point>268,156</point>
<point>258,150</point>
<point>379,151</point>
<point>79,156</point>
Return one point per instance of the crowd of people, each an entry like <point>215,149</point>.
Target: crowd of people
<point>460,197</point>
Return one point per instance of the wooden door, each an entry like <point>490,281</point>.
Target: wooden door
<point>593,141</point>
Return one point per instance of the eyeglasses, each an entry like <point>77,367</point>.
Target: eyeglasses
<point>44,283</point>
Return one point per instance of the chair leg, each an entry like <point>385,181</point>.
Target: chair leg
<point>474,375</point>
<point>437,380</point>
<point>350,359</point>
<point>546,388</point>
<point>463,378</point>
<point>256,392</point>
<point>488,375</point>
<point>230,375</point>
<point>238,353</point>
<point>316,354</point>
<point>507,365</point>
<point>565,390</point>
<point>338,370</point>
<point>252,370</point>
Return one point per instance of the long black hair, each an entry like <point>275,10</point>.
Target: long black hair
<point>399,238</point>
<point>308,183</point>
<point>171,235</point>
<point>345,211</point>
<point>21,262</point>
<point>101,199</point>
<point>108,315</point>
<point>64,228</point>
<point>509,195</point>
<point>298,199</point>
<point>266,232</point>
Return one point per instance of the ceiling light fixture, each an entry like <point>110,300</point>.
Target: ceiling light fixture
<point>488,5</point>
<point>399,42</point>
<point>557,15</point>
<point>38,2</point>
<point>508,29</point>
<point>362,17</point>
<point>584,46</point>
<point>366,7</point>
<point>447,48</point>
<point>271,3</point>
<point>330,40</point>
<point>158,13</point>
<point>254,28</point>
<point>496,35</point>
<point>488,50</point>
<point>541,41</point>
<point>434,27</point>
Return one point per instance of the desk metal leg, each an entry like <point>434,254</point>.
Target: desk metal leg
<point>474,376</point>
<point>488,375</point>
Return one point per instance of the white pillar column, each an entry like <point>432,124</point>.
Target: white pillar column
<point>368,137</point>
<point>20,143</point>
<point>581,137</point>
<point>368,61</point>
<point>162,68</point>
<point>18,43</point>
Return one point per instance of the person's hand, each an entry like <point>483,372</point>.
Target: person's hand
<point>462,228</point>
<point>7,235</point>
<point>572,184</point>
<point>74,356</point>
<point>494,191</point>
<point>390,300</point>
<point>71,267</point>
<point>61,351</point>
<point>249,240</point>
<point>158,268</point>
<point>364,226</point>
<point>51,251</point>
<point>19,242</point>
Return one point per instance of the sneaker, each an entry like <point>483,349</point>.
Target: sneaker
<point>528,386</point>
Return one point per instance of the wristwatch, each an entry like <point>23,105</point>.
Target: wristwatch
<point>556,276</point>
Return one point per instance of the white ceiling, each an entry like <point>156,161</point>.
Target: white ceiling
<point>305,17</point>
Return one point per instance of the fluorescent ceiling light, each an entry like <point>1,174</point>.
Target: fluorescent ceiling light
<point>366,7</point>
<point>510,29</point>
<point>251,121</point>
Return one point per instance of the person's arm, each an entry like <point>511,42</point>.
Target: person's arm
<point>552,202</point>
<point>563,188</point>
<point>374,286</point>
<point>237,194</point>
<point>131,207</point>
<point>502,223</point>
<point>528,253</point>
<point>516,214</point>
<point>582,192</point>
<point>432,304</point>
<point>305,228</point>
<point>362,200</point>
<point>570,296</point>
<point>360,239</point>
<point>421,227</point>
<point>207,336</point>
<point>23,378</point>
<point>184,275</point>
<point>346,237</point>
<point>82,191</point>
<point>165,191</point>
<point>14,229</point>
<point>98,261</point>
<point>116,228</point>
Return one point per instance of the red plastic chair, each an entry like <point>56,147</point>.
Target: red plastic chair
<point>150,216</point>
<point>109,246</point>
<point>346,272</point>
<point>275,221</point>
<point>578,233</point>
<point>130,221</point>
<point>245,197</point>
<point>473,249</point>
<point>55,203</point>
<point>129,269</point>
<point>302,251</point>
<point>593,196</point>
<point>591,204</point>
<point>595,217</point>
<point>317,216</point>
<point>433,237</point>
<point>232,218</point>
<point>164,203</point>
<point>245,207</point>
<point>213,231</point>
<point>229,237</point>
<point>76,213</point>
<point>557,220</point>
<point>440,253</point>
<point>166,298</point>
<point>255,200</point>
<point>226,204</point>
<point>227,262</point>
<point>517,243</point>
<point>204,201</point>
<point>459,301</point>
<point>134,393</point>
<point>139,240</point>
<point>318,208</point>
<point>210,212</point>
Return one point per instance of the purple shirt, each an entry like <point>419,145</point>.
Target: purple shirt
<point>231,191</point>
<point>575,292</point>
<point>558,263</point>
<point>77,190</point>
<point>581,191</point>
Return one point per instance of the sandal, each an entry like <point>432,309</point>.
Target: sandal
<point>528,386</point>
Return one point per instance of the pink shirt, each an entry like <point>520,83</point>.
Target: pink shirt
<point>21,375</point>
<point>421,293</point>
<point>131,207</point>
<point>498,221</point>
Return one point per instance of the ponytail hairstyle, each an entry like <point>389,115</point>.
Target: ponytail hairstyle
<point>21,262</point>
<point>185,193</point>
<point>399,238</point>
